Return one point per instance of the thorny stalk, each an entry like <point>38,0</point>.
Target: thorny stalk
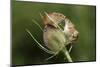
<point>46,50</point>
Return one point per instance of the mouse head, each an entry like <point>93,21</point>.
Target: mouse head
<point>53,18</point>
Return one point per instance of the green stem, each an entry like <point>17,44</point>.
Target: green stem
<point>70,48</point>
<point>68,56</point>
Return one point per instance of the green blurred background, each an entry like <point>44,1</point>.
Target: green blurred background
<point>24,48</point>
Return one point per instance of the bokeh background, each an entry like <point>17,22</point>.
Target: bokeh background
<point>25,50</point>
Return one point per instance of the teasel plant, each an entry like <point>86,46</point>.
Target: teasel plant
<point>55,38</point>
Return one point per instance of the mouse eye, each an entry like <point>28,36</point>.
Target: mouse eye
<point>60,15</point>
